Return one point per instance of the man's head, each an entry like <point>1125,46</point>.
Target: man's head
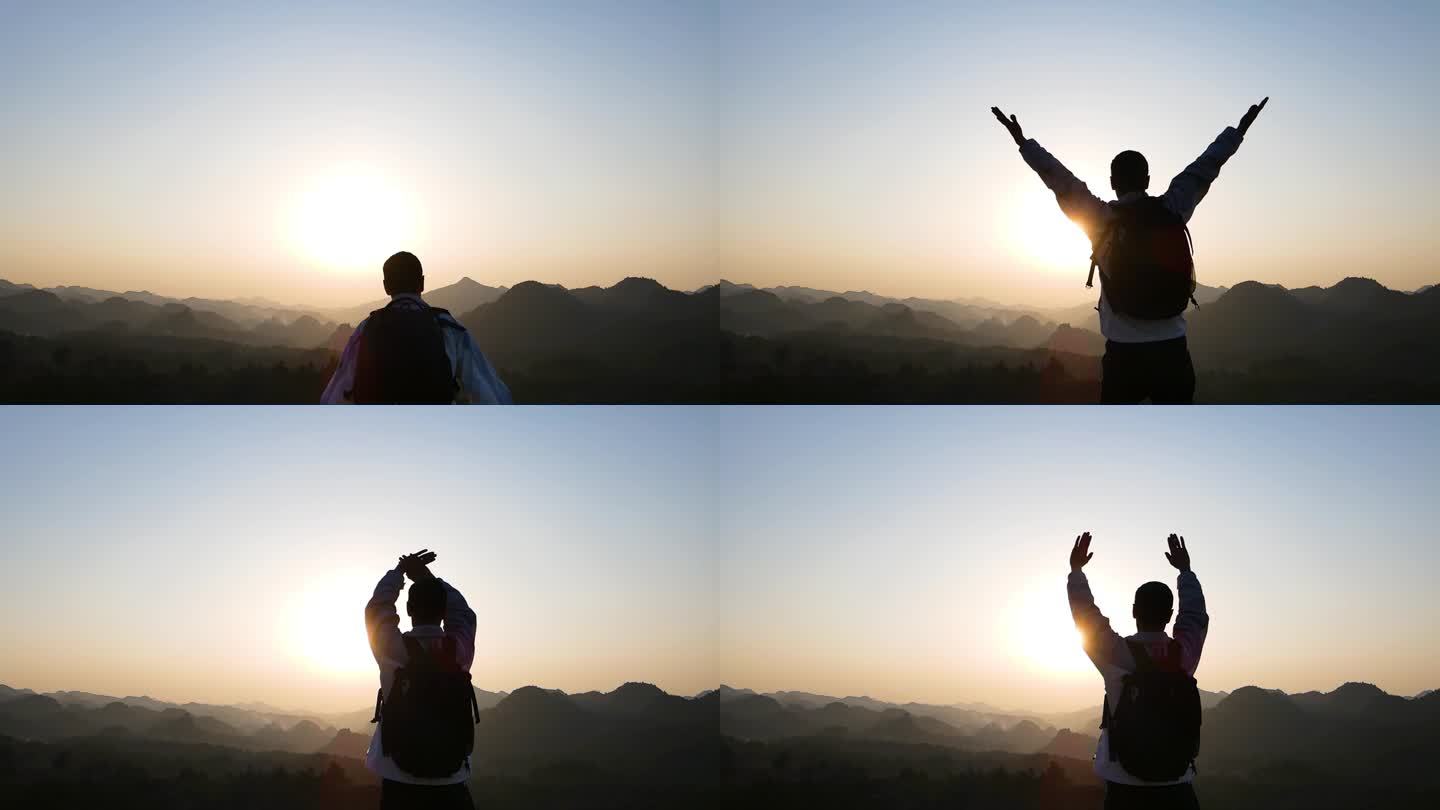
<point>426,604</point>
<point>1129,172</point>
<point>403,274</point>
<point>1153,605</point>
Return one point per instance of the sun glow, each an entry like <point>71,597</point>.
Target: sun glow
<point>1046,638</point>
<point>351,219</point>
<point>1042,235</point>
<point>325,626</point>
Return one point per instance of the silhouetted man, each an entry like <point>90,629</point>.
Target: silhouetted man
<point>426,707</point>
<point>1146,355</point>
<point>1148,672</point>
<point>409,352</point>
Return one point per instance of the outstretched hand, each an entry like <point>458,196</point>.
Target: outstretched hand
<point>1251,115</point>
<point>414,565</point>
<point>1178,555</point>
<point>1080,552</point>
<point>1011,124</point>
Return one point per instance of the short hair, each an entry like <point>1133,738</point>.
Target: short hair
<point>1130,170</point>
<point>427,601</point>
<point>403,273</point>
<point>1153,602</point>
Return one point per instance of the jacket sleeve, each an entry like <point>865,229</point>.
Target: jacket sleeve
<point>1083,208</point>
<point>1192,623</point>
<point>478,379</point>
<point>1190,186</point>
<point>460,623</point>
<point>382,622</point>
<point>1104,646</point>
<point>343,380</point>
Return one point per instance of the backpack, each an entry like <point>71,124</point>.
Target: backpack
<point>1155,728</point>
<point>427,721</point>
<point>402,358</point>
<point>1145,261</point>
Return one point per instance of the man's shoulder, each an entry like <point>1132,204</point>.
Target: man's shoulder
<point>445,319</point>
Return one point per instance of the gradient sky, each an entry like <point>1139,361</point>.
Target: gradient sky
<point>220,554</point>
<point>907,553</point>
<point>863,153</point>
<point>922,553</point>
<point>844,144</point>
<point>169,145</point>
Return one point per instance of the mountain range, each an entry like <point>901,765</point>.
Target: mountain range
<point>1248,726</point>
<point>638,341</point>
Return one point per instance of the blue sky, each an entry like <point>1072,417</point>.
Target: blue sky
<point>165,145</point>
<point>908,553</point>
<point>921,553</point>
<point>865,155</point>
<point>227,554</point>
<point>285,149</point>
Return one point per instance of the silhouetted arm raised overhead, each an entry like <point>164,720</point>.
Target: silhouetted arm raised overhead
<point>1190,186</point>
<point>1104,646</point>
<point>1083,208</point>
<point>382,622</point>
<point>1192,622</point>
<point>460,622</point>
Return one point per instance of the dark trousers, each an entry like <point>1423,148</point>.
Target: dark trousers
<point>1160,371</point>
<point>1166,797</point>
<point>402,796</point>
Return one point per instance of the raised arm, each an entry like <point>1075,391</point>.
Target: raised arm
<point>382,622</point>
<point>1190,186</point>
<point>1104,646</point>
<point>459,618</point>
<point>1085,209</point>
<point>1192,622</point>
<point>460,623</point>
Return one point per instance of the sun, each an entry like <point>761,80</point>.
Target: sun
<point>325,627</point>
<point>1045,637</point>
<point>1043,236</point>
<point>350,218</point>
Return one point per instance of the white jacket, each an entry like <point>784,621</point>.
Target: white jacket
<point>388,644</point>
<point>478,381</point>
<point>1107,650</point>
<point>1092,214</point>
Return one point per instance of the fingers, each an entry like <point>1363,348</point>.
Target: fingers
<point>1262,104</point>
<point>1088,556</point>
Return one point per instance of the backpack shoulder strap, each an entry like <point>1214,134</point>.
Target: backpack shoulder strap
<point>1175,653</point>
<point>414,650</point>
<point>1143,663</point>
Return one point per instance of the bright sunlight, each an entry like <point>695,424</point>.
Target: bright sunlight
<point>324,622</point>
<point>351,219</point>
<point>1045,636</point>
<point>1044,236</point>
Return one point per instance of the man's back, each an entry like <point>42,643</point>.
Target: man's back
<point>472,379</point>
<point>402,358</point>
<point>389,647</point>
<point>1112,656</point>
